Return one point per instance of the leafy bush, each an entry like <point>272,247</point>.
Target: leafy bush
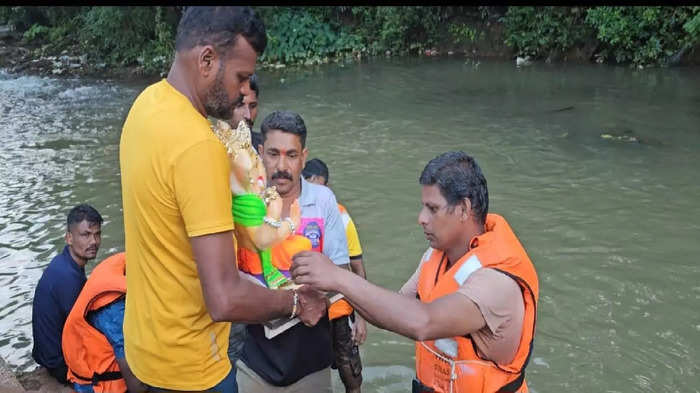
<point>692,26</point>
<point>644,35</point>
<point>398,29</point>
<point>540,31</point>
<point>35,32</point>
<point>462,33</point>
<point>119,35</point>
<point>296,36</point>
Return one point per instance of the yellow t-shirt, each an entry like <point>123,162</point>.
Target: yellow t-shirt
<point>342,307</point>
<point>174,175</point>
<point>354,247</point>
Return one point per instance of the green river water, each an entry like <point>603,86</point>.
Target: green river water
<point>611,223</point>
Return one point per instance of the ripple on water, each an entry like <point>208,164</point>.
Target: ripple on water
<point>611,227</point>
<point>53,157</point>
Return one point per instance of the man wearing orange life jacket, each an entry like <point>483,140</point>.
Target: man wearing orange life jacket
<point>347,336</point>
<point>471,305</point>
<point>93,341</point>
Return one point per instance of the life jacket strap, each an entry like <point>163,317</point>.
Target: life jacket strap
<point>513,385</point>
<point>101,377</point>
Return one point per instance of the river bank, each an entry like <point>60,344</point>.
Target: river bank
<point>38,380</point>
<point>17,56</point>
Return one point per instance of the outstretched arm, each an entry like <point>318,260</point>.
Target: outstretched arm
<point>448,316</point>
<point>231,298</point>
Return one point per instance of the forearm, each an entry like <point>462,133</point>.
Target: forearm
<point>227,295</point>
<point>385,309</point>
<point>358,267</point>
<point>252,303</point>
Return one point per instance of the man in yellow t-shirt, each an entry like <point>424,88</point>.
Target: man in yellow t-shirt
<point>182,279</point>
<point>346,336</point>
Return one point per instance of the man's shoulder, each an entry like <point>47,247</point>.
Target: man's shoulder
<point>164,110</point>
<point>321,195</point>
<point>57,267</point>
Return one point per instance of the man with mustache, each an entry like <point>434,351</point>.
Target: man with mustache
<point>299,359</point>
<point>60,285</point>
<point>471,305</point>
<point>247,110</point>
<point>183,284</point>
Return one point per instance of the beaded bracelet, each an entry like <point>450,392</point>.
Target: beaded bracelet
<point>271,222</point>
<point>292,227</point>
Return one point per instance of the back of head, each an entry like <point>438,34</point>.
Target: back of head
<point>219,27</point>
<point>458,176</point>
<point>285,121</point>
<point>315,167</point>
<point>83,212</point>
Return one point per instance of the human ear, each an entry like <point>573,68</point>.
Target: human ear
<point>206,60</point>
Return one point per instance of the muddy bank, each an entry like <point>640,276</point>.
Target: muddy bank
<point>19,57</point>
<point>38,380</point>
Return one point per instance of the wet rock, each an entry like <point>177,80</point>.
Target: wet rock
<point>450,53</point>
<point>83,59</point>
<point>621,138</point>
<point>74,66</point>
<point>7,31</point>
<point>8,381</point>
<point>523,61</point>
<point>387,53</point>
<point>40,380</point>
<point>57,71</point>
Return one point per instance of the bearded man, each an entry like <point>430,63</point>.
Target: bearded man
<point>183,283</point>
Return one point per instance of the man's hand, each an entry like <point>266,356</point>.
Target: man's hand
<point>359,330</point>
<point>314,269</point>
<point>312,305</point>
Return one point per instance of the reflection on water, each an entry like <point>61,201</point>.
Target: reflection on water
<point>612,226</point>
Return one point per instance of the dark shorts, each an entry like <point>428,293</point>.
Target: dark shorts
<point>228,385</point>
<point>345,350</point>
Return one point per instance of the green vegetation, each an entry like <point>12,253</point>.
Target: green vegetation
<point>637,35</point>
<point>144,36</point>
<point>542,31</point>
<point>643,35</point>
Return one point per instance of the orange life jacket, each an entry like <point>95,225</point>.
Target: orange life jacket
<point>452,364</point>
<point>341,307</point>
<point>88,354</point>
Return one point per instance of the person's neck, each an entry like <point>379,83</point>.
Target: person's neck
<point>178,79</point>
<point>455,253</point>
<point>78,260</point>
<point>289,197</point>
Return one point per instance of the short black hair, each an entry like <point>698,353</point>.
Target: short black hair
<point>83,212</point>
<point>255,139</point>
<point>286,121</point>
<point>315,167</point>
<point>458,176</point>
<point>220,27</point>
<point>254,85</point>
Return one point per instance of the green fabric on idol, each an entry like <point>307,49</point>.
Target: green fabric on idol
<point>249,210</point>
